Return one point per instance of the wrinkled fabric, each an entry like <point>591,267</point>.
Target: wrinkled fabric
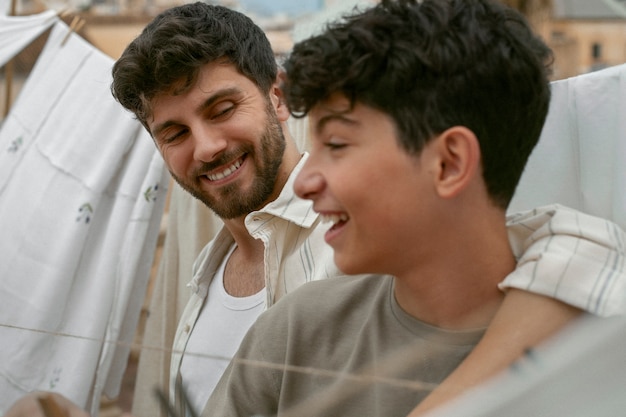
<point>571,256</point>
<point>190,226</point>
<point>5,7</point>
<point>580,160</point>
<point>82,191</point>
<point>16,32</point>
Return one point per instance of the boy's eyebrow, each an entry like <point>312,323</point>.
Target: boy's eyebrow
<point>231,91</point>
<point>339,117</point>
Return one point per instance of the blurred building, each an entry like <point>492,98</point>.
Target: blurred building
<point>587,35</point>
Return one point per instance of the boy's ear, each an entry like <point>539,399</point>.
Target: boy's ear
<point>459,161</point>
<point>277,97</point>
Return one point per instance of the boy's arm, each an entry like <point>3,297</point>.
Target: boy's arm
<point>568,262</point>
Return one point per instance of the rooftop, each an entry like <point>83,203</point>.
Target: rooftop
<point>590,9</point>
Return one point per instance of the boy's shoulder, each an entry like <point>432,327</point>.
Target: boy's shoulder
<point>330,298</point>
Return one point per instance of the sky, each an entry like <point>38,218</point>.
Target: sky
<point>290,7</point>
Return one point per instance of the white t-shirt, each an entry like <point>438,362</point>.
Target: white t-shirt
<point>222,323</point>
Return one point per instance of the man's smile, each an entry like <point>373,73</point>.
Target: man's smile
<point>229,170</point>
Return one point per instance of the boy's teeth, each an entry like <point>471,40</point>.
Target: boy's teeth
<point>334,218</point>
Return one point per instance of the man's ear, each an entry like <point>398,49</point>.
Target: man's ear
<point>459,161</point>
<point>277,97</point>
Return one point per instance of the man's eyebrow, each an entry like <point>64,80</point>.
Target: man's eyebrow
<point>219,95</point>
<point>227,92</point>
<point>161,127</point>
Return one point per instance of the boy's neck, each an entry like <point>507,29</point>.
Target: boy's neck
<point>459,289</point>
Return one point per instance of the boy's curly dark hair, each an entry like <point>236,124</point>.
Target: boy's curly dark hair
<point>431,65</point>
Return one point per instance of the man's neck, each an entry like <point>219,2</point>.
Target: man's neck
<point>237,226</point>
<point>244,273</point>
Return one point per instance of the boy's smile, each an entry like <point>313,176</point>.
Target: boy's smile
<point>357,175</point>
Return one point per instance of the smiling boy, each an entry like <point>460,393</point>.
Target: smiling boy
<point>400,213</point>
<point>423,114</point>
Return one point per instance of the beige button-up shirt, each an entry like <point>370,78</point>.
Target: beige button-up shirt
<point>295,253</point>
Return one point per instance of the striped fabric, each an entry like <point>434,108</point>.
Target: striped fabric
<point>579,163</point>
<point>568,255</point>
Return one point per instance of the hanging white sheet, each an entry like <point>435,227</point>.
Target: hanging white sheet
<point>580,160</point>
<point>5,6</point>
<point>16,32</point>
<point>82,191</point>
<point>579,373</point>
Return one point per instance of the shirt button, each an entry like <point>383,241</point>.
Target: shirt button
<point>187,328</point>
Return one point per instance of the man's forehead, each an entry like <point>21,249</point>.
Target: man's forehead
<point>215,78</point>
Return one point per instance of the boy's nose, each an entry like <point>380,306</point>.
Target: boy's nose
<point>309,183</point>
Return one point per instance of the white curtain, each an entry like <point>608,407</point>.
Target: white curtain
<point>82,191</point>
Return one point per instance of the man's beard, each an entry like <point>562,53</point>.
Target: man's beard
<point>233,202</point>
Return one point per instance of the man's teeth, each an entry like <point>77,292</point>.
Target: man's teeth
<point>226,172</point>
<point>334,218</point>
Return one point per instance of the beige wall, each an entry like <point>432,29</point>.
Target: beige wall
<point>112,39</point>
<point>577,37</point>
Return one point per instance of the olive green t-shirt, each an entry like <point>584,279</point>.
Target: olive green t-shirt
<point>338,347</point>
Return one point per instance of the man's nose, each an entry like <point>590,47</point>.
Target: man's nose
<point>207,144</point>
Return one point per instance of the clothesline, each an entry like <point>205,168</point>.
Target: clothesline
<point>555,358</point>
<point>398,382</point>
<point>318,401</point>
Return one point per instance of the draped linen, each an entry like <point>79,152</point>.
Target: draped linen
<point>82,192</point>
<point>580,160</point>
<point>16,32</point>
